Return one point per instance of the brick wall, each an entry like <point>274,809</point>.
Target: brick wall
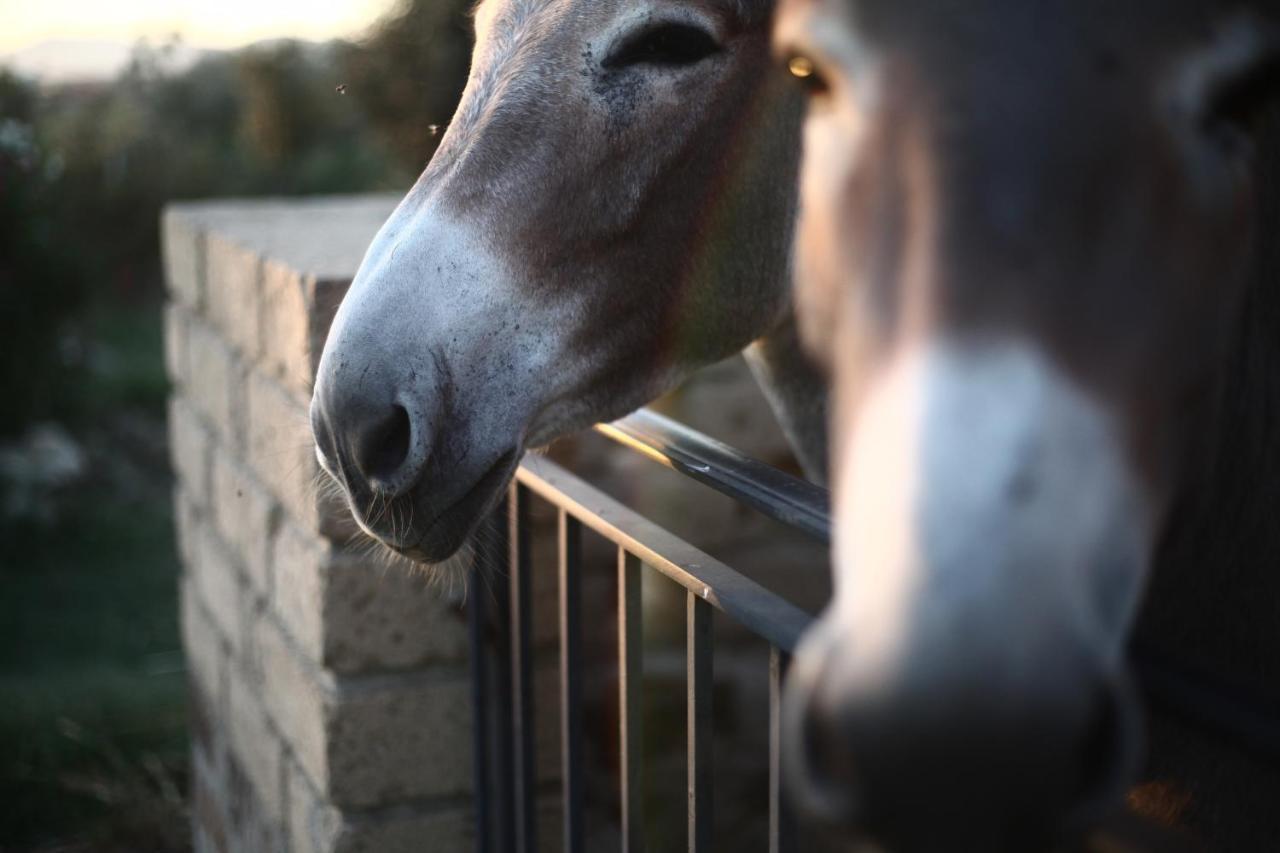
<point>329,694</point>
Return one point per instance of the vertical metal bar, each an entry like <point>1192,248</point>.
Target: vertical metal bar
<point>477,616</point>
<point>522,709</point>
<point>630,693</point>
<point>496,554</point>
<point>571,680</point>
<point>698,651</point>
<point>781,823</point>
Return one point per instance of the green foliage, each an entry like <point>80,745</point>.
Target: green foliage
<point>86,169</point>
<point>92,698</point>
<point>39,290</point>
<point>17,97</point>
<point>407,75</point>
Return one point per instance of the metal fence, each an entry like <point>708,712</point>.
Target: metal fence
<point>504,746</point>
<point>502,650</point>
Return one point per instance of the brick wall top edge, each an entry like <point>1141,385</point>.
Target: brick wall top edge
<point>322,237</point>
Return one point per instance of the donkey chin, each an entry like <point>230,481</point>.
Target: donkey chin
<point>415,523</point>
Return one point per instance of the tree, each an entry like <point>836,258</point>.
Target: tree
<point>38,286</point>
<point>408,74</point>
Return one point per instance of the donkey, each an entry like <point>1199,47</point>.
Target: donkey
<point>610,209</point>
<point>1038,250</point>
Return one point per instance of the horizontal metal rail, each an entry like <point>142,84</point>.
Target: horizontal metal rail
<point>795,502</point>
<point>764,613</point>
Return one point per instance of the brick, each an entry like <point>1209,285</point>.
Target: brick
<point>353,616</point>
<point>297,310</point>
<point>372,740</point>
<point>300,561</point>
<point>401,740</point>
<point>252,829</point>
<point>207,667</point>
<point>218,586</point>
<point>391,617</point>
<point>257,749</point>
<point>190,443</point>
<point>279,446</point>
<point>210,805</point>
<point>281,452</point>
<point>245,516</point>
<point>294,693</point>
<point>451,831</point>
<point>314,825</point>
<point>201,841</point>
<point>234,292</point>
<point>176,319</point>
<point>187,519</point>
<point>285,323</point>
<point>182,247</point>
<point>215,379</point>
<point>206,658</point>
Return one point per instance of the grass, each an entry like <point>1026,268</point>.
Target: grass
<point>92,690</point>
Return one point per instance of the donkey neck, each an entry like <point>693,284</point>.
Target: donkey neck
<point>796,391</point>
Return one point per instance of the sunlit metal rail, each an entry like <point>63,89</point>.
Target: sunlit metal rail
<point>794,502</point>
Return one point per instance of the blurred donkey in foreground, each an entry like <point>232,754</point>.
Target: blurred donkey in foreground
<point>1038,252</point>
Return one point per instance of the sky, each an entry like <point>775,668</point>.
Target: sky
<point>201,23</point>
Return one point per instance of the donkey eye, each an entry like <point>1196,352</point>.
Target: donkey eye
<point>805,71</point>
<point>665,46</point>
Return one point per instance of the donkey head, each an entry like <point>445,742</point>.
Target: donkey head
<point>1025,233</point>
<point>610,209</point>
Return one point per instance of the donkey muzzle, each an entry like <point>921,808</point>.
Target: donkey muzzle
<point>966,688</point>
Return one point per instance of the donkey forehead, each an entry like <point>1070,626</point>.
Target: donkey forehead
<point>1012,98</point>
<point>499,18</point>
<point>1025,93</point>
<point>1044,41</point>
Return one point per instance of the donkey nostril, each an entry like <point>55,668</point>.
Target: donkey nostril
<point>382,447</point>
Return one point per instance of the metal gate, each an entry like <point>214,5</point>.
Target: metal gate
<point>502,649</point>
